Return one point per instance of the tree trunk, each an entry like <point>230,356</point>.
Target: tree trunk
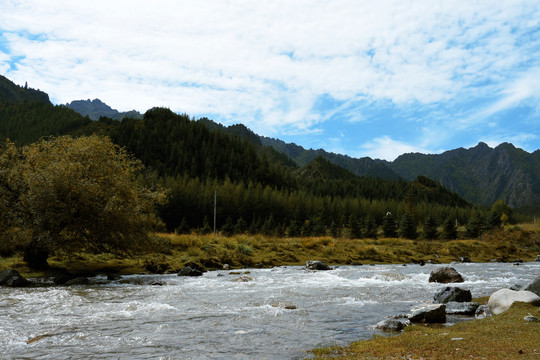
<point>36,256</point>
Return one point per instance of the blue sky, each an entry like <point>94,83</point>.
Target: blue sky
<point>362,78</point>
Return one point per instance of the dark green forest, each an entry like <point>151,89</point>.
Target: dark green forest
<point>258,190</point>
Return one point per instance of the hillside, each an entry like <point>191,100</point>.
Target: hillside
<point>12,93</point>
<point>27,115</point>
<point>96,109</point>
<point>480,174</point>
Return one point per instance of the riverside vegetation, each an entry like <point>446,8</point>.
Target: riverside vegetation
<point>173,252</point>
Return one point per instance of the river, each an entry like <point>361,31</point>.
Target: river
<point>278,313</point>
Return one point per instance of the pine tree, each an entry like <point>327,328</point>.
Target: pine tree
<point>407,226</point>
<point>449,231</point>
<point>369,227</point>
<point>390,225</point>
<point>430,231</point>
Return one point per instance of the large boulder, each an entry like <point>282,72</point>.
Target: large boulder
<point>12,278</point>
<point>534,286</point>
<point>501,300</point>
<point>451,293</point>
<point>445,275</point>
<point>317,265</point>
<point>461,308</point>
<point>434,313</point>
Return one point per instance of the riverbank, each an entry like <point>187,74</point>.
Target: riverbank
<point>172,252</point>
<point>504,336</point>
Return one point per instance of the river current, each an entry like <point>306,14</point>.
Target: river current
<point>278,313</point>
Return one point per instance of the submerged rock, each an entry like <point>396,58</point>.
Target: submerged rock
<point>243,278</point>
<point>188,271</point>
<point>317,265</point>
<point>501,300</point>
<point>78,281</point>
<point>452,293</point>
<point>12,278</point>
<point>445,275</point>
<point>435,313</point>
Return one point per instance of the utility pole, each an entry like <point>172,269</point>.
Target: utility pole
<point>215,206</point>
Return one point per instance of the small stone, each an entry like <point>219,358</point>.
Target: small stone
<point>531,318</point>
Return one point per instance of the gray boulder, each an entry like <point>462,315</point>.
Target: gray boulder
<point>445,275</point>
<point>537,258</point>
<point>534,286</point>
<point>317,265</point>
<point>435,313</point>
<point>12,278</point>
<point>451,293</point>
<point>188,271</point>
<point>501,300</point>
<point>392,325</point>
<point>461,308</point>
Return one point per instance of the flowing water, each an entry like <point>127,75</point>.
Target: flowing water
<point>279,313</point>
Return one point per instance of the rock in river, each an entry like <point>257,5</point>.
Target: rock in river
<point>435,313</point>
<point>534,286</point>
<point>452,293</point>
<point>445,275</point>
<point>317,265</point>
<point>12,278</point>
<point>188,271</point>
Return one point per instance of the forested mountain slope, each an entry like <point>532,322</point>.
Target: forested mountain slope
<point>480,174</point>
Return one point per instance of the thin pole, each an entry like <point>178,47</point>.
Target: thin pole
<point>215,205</point>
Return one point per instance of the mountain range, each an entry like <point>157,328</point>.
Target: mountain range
<point>481,175</point>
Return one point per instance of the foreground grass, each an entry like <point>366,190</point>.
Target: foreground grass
<point>504,336</point>
<point>171,252</point>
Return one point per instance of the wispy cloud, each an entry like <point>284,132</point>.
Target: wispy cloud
<point>281,67</point>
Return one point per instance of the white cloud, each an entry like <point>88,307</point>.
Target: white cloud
<point>266,63</point>
<point>388,149</point>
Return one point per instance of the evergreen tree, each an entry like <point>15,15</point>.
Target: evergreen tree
<point>407,226</point>
<point>475,226</point>
<point>206,229</point>
<point>241,226</point>
<point>494,221</point>
<point>228,228</point>
<point>355,231</point>
<point>369,227</point>
<point>269,226</point>
<point>430,231</point>
<point>183,228</point>
<point>293,229</point>
<point>389,225</point>
<point>449,231</point>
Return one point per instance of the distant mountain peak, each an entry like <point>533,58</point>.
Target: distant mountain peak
<point>96,108</point>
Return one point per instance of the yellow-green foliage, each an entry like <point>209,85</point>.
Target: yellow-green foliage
<point>505,336</point>
<point>175,251</point>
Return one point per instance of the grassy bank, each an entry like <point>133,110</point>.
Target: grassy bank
<point>171,252</point>
<point>504,336</point>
